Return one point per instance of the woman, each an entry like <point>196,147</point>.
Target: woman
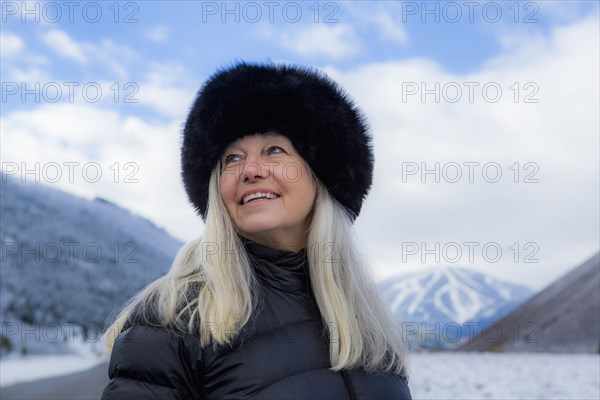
<point>274,301</point>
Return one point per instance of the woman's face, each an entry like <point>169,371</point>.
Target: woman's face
<point>267,190</point>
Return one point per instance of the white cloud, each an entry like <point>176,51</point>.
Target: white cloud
<point>79,131</point>
<point>20,64</point>
<point>558,10</point>
<point>10,44</point>
<point>113,56</point>
<point>334,41</point>
<point>28,76</point>
<point>382,17</point>
<point>168,89</point>
<point>14,52</point>
<point>157,34</point>
<point>62,44</point>
<point>559,134</point>
<point>390,28</point>
<point>100,139</point>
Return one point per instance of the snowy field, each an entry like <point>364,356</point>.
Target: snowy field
<point>18,369</point>
<point>504,376</point>
<point>432,375</point>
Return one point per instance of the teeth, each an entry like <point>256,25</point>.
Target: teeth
<point>258,196</point>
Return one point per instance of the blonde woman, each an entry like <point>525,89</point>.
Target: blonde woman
<point>274,301</point>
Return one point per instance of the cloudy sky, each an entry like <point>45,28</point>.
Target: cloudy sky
<point>484,115</point>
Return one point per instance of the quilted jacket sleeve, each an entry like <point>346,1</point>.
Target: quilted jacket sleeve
<point>154,363</point>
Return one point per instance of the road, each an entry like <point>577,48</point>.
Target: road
<point>79,386</point>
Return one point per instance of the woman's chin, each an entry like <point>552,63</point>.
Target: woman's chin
<point>258,229</point>
<point>259,216</point>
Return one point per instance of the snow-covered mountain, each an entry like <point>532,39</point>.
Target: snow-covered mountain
<point>441,307</point>
<point>68,263</point>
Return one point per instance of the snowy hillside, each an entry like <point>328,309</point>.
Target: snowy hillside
<point>440,307</point>
<point>564,317</point>
<point>68,263</point>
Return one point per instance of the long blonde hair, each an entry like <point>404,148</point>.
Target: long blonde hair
<point>216,270</point>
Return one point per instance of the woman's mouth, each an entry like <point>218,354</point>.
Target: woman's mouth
<point>259,197</point>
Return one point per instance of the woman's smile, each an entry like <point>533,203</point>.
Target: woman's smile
<point>258,194</point>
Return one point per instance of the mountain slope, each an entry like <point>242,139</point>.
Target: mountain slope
<point>564,317</point>
<point>68,260</point>
<point>439,307</point>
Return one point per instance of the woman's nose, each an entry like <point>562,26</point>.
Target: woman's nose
<point>254,169</point>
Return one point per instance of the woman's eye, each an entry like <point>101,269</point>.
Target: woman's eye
<point>276,149</point>
<point>230,158</point>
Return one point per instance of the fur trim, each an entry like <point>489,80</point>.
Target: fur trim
<point>305,105</point>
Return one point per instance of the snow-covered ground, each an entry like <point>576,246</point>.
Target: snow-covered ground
<point>432,375</point>
<point>504,376</point>
<point>17,369</point>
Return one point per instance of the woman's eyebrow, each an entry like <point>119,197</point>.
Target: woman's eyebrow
<point>231,147</point>
<point>276,139</point>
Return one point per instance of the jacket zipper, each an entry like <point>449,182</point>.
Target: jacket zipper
<point>349,385</point>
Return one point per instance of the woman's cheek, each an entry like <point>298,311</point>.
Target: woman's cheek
<point>227,194</point>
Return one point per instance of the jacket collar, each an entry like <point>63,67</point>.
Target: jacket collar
<point>281,269</point>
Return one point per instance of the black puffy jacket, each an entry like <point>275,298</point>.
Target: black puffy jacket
<point>280,354</point>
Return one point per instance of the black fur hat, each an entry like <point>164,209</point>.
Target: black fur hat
<point>305,105</point>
